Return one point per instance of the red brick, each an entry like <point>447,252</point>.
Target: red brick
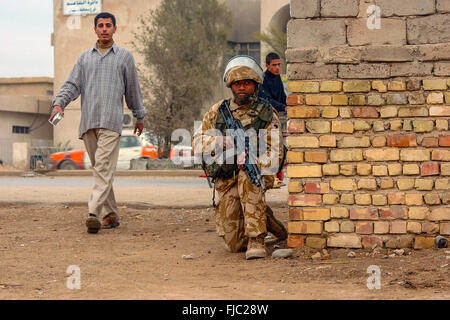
<point>445,168</point>
<point>429,142</point>
<point>363,214</point>
<point>440,155</point>
<point>295,241</point>
<point>402,140</point>
<point>302,112</point>
<point>315,214</point>
<point>398,227</point>
<point>305,200</point>
<point>423,242</point>
<point>341,240</point>
<point>305,227</point>
<point>364,227</point>
<point>318,99</point>
<point>396,198</point>
<point>445,198</point>
<point>316,156</point>
<point>316,242</point>
<point>400,241</point>
<point>365,112</point>
<point>294,99</point>
<point>296,126</point>
<point>317,187</point>
<point>295,214</point>
<point>430,227</point>
<point>444,141</point>
<point>445,228</point>
<point>394,213</point>
<point>327,141</point>
<point>429,169</point>
<point>369,241</point>
<point>440,111</point>
<point>439,214</point>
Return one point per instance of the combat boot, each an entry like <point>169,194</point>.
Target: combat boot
<point>274,226</point>
<point>277,184</point>
<point>256,248</point>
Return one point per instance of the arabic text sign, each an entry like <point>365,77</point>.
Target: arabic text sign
<point>81,7</point>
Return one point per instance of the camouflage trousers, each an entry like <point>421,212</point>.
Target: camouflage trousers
<point>241,211</point>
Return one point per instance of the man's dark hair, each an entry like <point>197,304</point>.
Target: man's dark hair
<point>271,56</point>
<point>105,15</point>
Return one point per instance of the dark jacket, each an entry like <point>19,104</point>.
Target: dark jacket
<point>273,90</point>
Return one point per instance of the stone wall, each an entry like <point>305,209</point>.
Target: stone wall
<point>369,156</point>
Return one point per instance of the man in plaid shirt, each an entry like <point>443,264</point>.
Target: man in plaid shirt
<point>102,75</point>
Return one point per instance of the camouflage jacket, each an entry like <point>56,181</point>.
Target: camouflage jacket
<point>207,137</point>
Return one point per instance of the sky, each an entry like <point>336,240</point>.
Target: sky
<point>25,35</point>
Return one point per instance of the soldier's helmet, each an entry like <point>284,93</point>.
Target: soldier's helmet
<point>242,67</point>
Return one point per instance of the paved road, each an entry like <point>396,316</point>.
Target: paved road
<point>119,182</point>
<point>168,192</point>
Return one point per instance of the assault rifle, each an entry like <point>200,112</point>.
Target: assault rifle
<point>241,142</point>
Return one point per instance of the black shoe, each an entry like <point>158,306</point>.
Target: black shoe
<point>93,224</point>
<point>274,226</point>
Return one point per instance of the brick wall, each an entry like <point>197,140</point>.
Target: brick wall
<point>368,124</point>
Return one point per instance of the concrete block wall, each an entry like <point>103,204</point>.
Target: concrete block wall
<point>368,124</point>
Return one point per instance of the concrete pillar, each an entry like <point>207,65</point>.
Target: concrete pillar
<point>21,155</point>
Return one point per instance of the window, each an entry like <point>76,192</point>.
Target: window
<point>129,141</point>
<point>20,130</point>
<point>150,139</point>
<point>252,49</point>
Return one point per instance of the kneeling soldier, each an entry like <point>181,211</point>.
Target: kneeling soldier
<point>242,216</point>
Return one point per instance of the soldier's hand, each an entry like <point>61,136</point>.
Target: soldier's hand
<point>241,160</point>
<point>228,143</point>
<point>55,110</point>
<point>138,127</point>
<point>225,142</point>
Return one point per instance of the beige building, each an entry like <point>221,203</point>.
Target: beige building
<point>24,111</point>
<point>74,34</point>
<point>273,13</point>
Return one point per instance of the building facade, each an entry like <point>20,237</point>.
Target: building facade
<point>276,13</point>
<point>74,34</point>
<point>24,112</point>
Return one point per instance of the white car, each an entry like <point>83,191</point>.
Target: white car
<point>130,148</point>
<point>182,155</point>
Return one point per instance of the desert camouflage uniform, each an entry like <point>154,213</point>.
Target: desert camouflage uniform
<point>241,210</point>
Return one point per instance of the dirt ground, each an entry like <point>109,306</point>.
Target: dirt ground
<point>146,258</point>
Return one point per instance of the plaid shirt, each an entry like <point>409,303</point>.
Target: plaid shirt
<point>102,81</point>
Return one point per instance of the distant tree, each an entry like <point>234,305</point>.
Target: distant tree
<point>182,43</point>
<point>276,41</point>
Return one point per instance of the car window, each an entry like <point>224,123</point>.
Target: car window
<point>150,139</point>
<point>129,141</point>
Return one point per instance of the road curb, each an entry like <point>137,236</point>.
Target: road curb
<point>11,173</point>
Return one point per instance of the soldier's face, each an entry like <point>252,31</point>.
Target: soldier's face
<point>243,89</point>
<point>274,66</point>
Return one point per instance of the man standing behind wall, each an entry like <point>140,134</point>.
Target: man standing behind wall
<point>272,87</point>
<point>273,90</point>
<point>102,75</point>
